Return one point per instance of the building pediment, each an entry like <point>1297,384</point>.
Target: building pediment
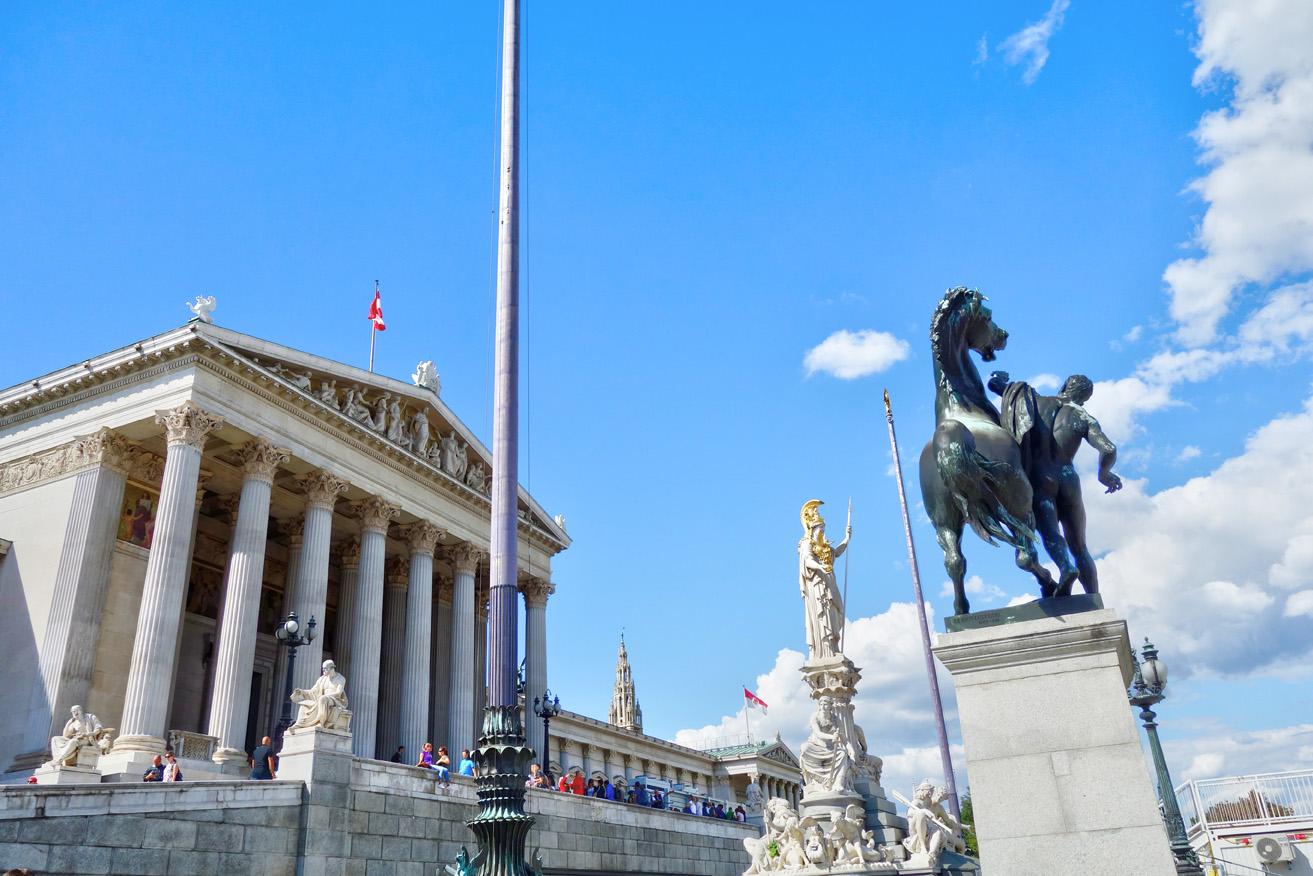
<point>780,753</point>
<point>411,422</point>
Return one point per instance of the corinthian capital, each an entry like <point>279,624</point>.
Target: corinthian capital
<point>322,488</point>
<point>396,571</point>
<point>105,447</point>
<point>465,558</point>
<point>375,513</point>
<point>349,554</point>
<point>423,537</point>
<point>260,459</point>
<point>188,425</point>
<point>536,590</point>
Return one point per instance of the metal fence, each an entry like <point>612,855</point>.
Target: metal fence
<point>1267,799</point>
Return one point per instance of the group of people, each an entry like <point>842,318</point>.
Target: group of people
<point>638,795</point>
<point>439,762</point>
<point>163,769</point>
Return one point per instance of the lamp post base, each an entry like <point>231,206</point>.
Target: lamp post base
<point>502,825</point>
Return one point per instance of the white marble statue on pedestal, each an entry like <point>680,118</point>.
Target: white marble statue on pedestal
<point>83,732</point>
<point>753,806</point>
<point>324,704</point>
<point>829,755</point>
<point>202,307</point>
<point>931,830</point>
<point>820,592</point>
<point>426,376</point>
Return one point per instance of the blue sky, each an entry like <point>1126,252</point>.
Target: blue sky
<point>712,190</point>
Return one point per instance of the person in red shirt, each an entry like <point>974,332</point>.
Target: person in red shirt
<point>577,784</point>
<point>562,786</point>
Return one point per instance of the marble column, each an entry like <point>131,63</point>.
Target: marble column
<point>291,529</point>
<point>235,655</point>
<point>348,562</point>
<point>480,654</point>
<point>440,671</point>
<point>536,591</point>
<point>586,760</point>
<point>392,661</point>
<point>321,491</point>
<point>145,705</point>
<point>73,627</point>
<point>465,559</point>
<point>366,629</point>
<point>421,538</point>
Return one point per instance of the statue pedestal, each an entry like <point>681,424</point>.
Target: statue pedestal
<point>1058,779</point>
<point>316,755</point>
<point>67,775</point>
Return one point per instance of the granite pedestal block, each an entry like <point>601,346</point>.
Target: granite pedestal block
<point>1058,779</point>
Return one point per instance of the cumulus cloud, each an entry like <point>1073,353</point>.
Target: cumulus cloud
<point>849,355</point>
<point>1209,565</point>
<point>1189,452</point>
<point>976,586</point>
<point>1259,154</point>
<point>1030,45</point>
<point>1224,751</point>
<point>893,703</point>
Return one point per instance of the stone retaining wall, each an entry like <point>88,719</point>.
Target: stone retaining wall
<point>385,820</point>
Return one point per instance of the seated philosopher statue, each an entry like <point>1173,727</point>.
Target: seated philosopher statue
<point>82,731</point>
<point>324,704</point>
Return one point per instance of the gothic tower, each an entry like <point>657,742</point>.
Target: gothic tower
<point>625,712</point>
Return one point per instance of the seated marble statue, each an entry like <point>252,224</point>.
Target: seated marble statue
<point>83,731</point>
<point>324,704</point>
<point>827,757</point>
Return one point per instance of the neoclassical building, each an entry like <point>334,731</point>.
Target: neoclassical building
<point>165,505</point>
<point>618,750</point>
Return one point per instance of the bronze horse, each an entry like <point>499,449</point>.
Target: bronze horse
<point>971,470</point>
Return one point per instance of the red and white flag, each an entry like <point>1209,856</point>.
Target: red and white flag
<point>752,701</point>
<point>376,311</point>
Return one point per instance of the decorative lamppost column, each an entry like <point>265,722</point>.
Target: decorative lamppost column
<point>536,591</point>
<point>502,757</point>
<point>321,491</point>
<point>241,602</point>
<point>290,635</point>
<point>422,538</point>
<point>547,707</point>
<point>154,648</point>
<point>1147,692</point>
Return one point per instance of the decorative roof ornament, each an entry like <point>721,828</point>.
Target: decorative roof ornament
<point>426,376</point>
<point>559,520</point>
<point>202,307</point>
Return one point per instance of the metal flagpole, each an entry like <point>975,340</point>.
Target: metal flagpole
<point>502,757</point>
<point>945,756</point>
<point>746,723</point>
<point>373,331</point>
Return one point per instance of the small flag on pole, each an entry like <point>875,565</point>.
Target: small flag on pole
<point>752,701</point>
<point>376,311</point>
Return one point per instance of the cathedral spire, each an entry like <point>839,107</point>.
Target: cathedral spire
<point>625,712</point>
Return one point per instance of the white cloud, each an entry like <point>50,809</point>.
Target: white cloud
<point>975,586</point>
<point>849,355</point>
<point>982,50</point>
<point>1225,751</point>
<point>1030,45</point>
<point>1189,452</point>
<point>1205,566</point>
<point>893,699</point>
<point>1046,382</point>
<point>1259,151</point>
<point>1299,604</point>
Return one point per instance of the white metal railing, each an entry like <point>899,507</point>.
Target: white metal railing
<point>708,743</point>
<point>1267,799</point>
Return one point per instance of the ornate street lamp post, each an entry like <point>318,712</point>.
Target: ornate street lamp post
<point>547,708</point>
<point>1145,693</point>
<point>290,635</point>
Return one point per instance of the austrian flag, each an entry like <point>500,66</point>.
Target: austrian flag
<point>376,311</point>
<point>752,701</point>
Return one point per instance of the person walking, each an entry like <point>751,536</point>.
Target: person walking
<point>172,772</point>
<point>262,761</point>
<point>399,756</point>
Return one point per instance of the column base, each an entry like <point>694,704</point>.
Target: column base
<point>152,745</point>
<point>226,757</point>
